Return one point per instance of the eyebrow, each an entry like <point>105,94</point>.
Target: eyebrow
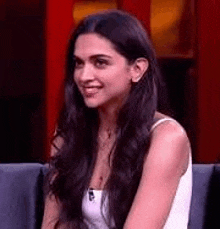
<point>94,56</point>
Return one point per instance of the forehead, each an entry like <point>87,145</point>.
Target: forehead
<point>93,44</point>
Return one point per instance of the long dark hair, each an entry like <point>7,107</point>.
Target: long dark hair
<point>72,167</point>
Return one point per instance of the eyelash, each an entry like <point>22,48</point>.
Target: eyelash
<point>78,63</point>
<point>99,63</point>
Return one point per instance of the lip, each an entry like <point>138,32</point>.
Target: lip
<point>90,91</point>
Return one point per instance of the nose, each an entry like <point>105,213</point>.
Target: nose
<point>85,73</point>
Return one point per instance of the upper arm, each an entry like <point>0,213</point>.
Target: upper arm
<point>51,205</point>
<point>51,212</point>
<point>164,165</point>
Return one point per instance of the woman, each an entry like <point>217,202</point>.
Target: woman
<point>118,163</point>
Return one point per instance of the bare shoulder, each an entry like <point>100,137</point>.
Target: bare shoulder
<point>166,161</point>
<point>168,129</point>
<point>169,146</point>
<point>167,123</point>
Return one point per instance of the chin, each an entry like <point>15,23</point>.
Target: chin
<point>91,104</point>
<point>95,104</point>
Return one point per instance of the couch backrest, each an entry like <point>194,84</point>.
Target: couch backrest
<point>21,196</point>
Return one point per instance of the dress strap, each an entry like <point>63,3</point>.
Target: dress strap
<point>158,122</point>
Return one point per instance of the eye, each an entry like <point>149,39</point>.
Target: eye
<point>78,63</point>
<point>100,63</point>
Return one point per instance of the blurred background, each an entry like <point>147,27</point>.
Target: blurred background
<point>33,40</point>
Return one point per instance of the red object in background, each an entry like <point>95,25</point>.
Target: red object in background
<point>59,22</point>
<point>140,8</point>
<point>208,24</point>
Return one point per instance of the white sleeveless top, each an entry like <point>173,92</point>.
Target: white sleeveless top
<point>178,216</point>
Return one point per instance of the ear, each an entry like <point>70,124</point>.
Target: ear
<point>139,67</point>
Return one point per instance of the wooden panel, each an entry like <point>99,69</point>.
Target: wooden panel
<point>2,10</point>
<point>21,80</point>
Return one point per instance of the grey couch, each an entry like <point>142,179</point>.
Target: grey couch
<point>21,196</point>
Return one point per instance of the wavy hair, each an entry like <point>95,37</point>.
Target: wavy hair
<point>72,166</point>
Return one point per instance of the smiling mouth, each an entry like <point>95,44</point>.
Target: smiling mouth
<point>90,91</point>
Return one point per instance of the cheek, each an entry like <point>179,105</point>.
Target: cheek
<point>75,78</point>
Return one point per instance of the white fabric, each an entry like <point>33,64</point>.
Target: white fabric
<point>178,216</point>
<point>162,120</point>
<point>91,210</point>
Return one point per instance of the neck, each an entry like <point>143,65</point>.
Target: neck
<point>108,119</point>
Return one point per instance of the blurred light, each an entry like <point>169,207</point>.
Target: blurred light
<point>168,19</point>
<point>83,8</point>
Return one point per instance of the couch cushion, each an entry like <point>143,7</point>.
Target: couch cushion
<point>21,196</point>
<point>202,179</point>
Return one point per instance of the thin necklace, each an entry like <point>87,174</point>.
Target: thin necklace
<point>104,141</point>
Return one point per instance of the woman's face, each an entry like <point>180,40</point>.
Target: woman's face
<point>101,73</point>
